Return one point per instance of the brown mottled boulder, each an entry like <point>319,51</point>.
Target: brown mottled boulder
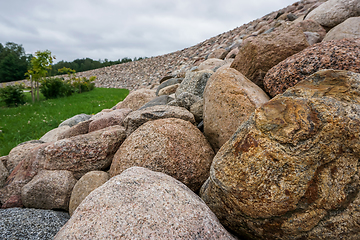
<point>85,186</point>
<point>136,99</point>
<point>312,26</point>
<point>4,173</point>
<point>292,170</point>
<point>49,190</point>
<point>169,89</point>
<point>18,153</point>
<point>108,119</point>
<point>54,134</point>
<point>232,54</point>
<point>79,154</point>
<point>142,204</point>
<point>197,109</point>
<point>172,146</point>
<point>339,55</point>
<point>334,12</point>
<point>258,55</point>
<point>348,29</point>
<point>137,118</point>
<point>229,99</point>
<point>78,129</point>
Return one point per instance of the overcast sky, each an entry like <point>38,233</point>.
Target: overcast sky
<point>115,29</point>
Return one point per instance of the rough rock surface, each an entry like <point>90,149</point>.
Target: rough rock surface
<point>4,173</point>
<point>313,27</point>
<point>30,224</point>
<point>186,99</point>
<point>161,100</point>
<point>78,129</point>
<point>197,109</point>
<point>168,83</point>
<point>169,89</point>
<point>194,83</point>
<point>334,12</point>
<point>18,153</point>
<point>142,204</point>
<point>339,55</point>
<point>172,146</point>
<point>112,118</point>
<point>348,29</point>
<point>49,190</point>
<point>85,186</point>
<point>211,64</point>
<point>54,134</point>
<point>137,118</point>
<point>219,53</point>
<point>137,99</point>
<point>292,170</point>
<point>229,99</point>
<point>75,120</point>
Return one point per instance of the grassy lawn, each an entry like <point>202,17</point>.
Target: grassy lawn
<point>32,121</point>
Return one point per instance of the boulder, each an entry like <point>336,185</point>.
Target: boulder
<point>4,173</point>
<point>219,53</point>
<point>334,12</point>
<point>4,160</point>
<point>232,54</point>
<point>137,99</point>
<point>49,190</point>
<point>161,100</point>
<point>258,55</point>
<point>75,120</point>
<point>339,55</point>
<point>168,83</point>
<point>78,129</point>
<point>137,118</point>
<point>211,64</point>
<point>194,83</point>
<point>229,99</point>
<point>112,118</point>
<point>85,186</point>
<point>18,153</point>
<point>28,223</point>
<point>142,204</point>
<point>54,134</point>
<point>291,170</point>
<point>197,109</point>
<point>172,146</point>
<point>312,37</point>
<point>186,99</point>
<point>313,27</point>
<point>348,29</point>
<point>169,90</point>
<point>79,154</point>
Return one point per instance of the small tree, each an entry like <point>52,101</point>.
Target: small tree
<point>39,66</point>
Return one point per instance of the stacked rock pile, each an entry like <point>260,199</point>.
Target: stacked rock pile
<point>255,137</point>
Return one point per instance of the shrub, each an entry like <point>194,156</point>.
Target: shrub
<point>83,84</point>
<point>12,95</point>
<point>55,87</point>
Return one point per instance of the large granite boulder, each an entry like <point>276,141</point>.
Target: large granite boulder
<point>348,29</point>
<point>30,224</point>
<point>137,118</point>
<point>85,186</point>
<point>339,55</point>
<point>194,83</point>
<point>292,170</point>
<point>49,190</point>
<point>172,146</point>
<point>137,99</point>
<point>258,55</point>
<point>108,119</point>
<point>79,155</point>
<point>142,204</point>
<point>78,129</point>
<point>229,99</point>
<point>75,120</point>
<point>334,12</point>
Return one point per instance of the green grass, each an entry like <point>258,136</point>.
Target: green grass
<point>32,121</point>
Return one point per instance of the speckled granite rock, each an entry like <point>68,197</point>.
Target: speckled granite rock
<point>49,190</point>
<point>161,100</point>
<point>75,120</point>
<point>334,12</point>
<point>186,99</point>
<point>85,186</point>
<point>169,89</point>
<point>211,64</point>
<point>172,146</point>
<point>194,83</point>
<point>197,109</point>
<point>4,173</point>
<point>137,99</point>
<point>219,53</point>
<point>258,55</point>
<point>112,118</point>
<point>168,83</point>
<point>292,170</point>
<point>30,224</point>
<point>348,29</point>
<point>229,99</point>
<point>338,55</point>
<point>142,204</point>
<point>137,118</point>
<point>78,129</point>
<point>53,135</point>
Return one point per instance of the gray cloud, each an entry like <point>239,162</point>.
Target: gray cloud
<point>114,29</point>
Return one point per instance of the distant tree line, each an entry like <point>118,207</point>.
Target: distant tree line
<point>14,63</point>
